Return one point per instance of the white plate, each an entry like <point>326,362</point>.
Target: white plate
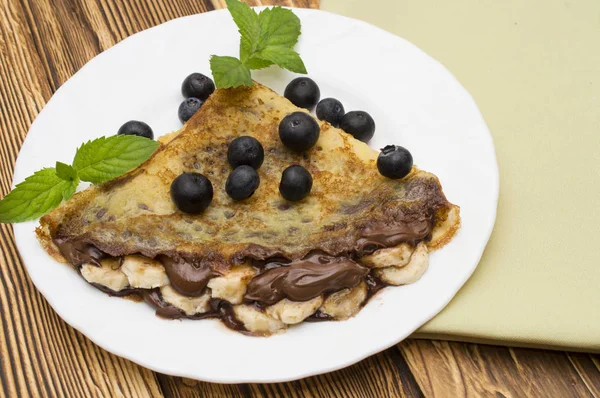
<point>415,102</point>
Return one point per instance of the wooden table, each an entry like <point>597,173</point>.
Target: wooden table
<point>43,43</point>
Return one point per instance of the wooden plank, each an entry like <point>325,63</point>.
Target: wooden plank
<point>458,369</point>
<point>383,375</point>
<point>287,3</point>
<point>42,44</point>
<point>588,368</point>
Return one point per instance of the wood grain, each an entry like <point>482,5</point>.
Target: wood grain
<point>42,44</point>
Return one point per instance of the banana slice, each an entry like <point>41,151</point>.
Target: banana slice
<point>345,303</point>
<point>256,321</point>
<point>394,256</point>
<point>108,275</point>
<point>232,286</point>
<point>144,272</point>
<point>409,273</point>
<point>189,305</point>
<point>292,312</point>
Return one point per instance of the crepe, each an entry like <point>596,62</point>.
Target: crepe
<point>355,232</point>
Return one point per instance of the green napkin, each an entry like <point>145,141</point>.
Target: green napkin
<point>533,68</point>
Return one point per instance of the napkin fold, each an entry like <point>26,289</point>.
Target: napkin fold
<point>533,68</point>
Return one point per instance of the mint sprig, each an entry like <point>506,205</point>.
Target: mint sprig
<point>65,172</point>
<point>267,38</point>
<point>96,161</point>
<point>103,159</point>
<point>230,72</point>
<point>35,196</point>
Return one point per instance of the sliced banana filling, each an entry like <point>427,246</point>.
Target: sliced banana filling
<point>232,286</point>
<point>409,273</point>
<point>393,256</point>
<point>395,266</point>
<point>107,275</point>
<point>189,305</point>
<point>345,303</point>
<point>292,312</point>
<point>144,272</point>
<point>257,321</point>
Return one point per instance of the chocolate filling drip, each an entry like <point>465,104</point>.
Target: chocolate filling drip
<point>317,273</point>
<point>374,285</point>
<point>305,279</point>
<point>120,293</point>
<point>78,252</point>
<point>224,309</point>
<point>187,278</point>
<point>319,317</point>
<point>219,309</point>
<point>381,234</point>
<point>163,309</point>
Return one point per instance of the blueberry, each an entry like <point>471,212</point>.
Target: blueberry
<point>299,131</point>
<point>296,183</point>
<point>198,86</point>
<point>331,110</point>
<point>245,150</point>
<point>242,182</point>
<point>135,127</point>
<point>394,162</point>
<point>191,192</point>
<point>187,108</point>
<point>360,124</point>
<point>303,92</point>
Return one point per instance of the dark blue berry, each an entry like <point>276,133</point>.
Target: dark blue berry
<point>299,131</point>
<point>296,183</point>
<point>331,110</point>
<point>187,108</point>
<point>303,92</point>
<point>198,86</point>
<point>245,150</point>
<point>135,127</point>
<point>394,162</point>
<point>191,192</point>
<point>242,182</point>
<point>360,124</point>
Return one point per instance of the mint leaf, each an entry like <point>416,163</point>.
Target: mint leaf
<point>279,27</point>
<point>103,159</point>
<point>69,189</point>
<point>251,62</point>
<point>65,172</point>
<point>284,57</point>
<point>229,72</point>
<point>247,22</point>
<point>95,161</point>
<point>36,196</point>
<point>266,39</point>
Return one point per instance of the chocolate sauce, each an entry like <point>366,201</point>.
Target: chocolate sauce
<point>110,292</point>
<point>319,317</point>
<point>374,284</point>
<point>382,234</point>
<point>316,274</point>
<point>187,278</point>
<point>163,309</point>
<point>224,311</point>
<point>305,279</point>
<point>219,309</point>
<point>78,252</point>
